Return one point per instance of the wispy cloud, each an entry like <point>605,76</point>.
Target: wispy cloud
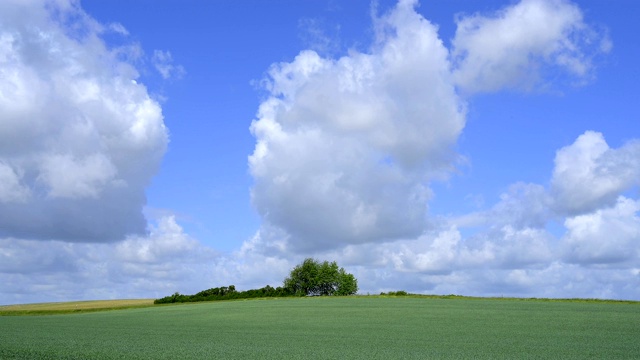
<point>163,63</point>
<point>515,48</point>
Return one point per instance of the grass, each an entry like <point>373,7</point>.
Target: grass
<point>73,307</point>
<point>332,328</point>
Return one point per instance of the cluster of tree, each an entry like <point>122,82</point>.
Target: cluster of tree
<point>311,278</point>
<point>225,293</point>
<point>314,278</point>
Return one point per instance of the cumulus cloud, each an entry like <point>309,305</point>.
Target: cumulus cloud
<point>601,227</point>
<point>503,261</point>
<point>346,151</point>
<point>80,139</point>
<point>164,241</point>
<point>158,264</point>
<point>609,236</point>
<point>164,261</point>
<point>588,174</point>
<point>446,251</point>
<point>523,205</point>
<point>346,147</point>
<point>515,47</point>
<point>513,248</point>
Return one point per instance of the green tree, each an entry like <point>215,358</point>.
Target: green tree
<point>312,277</point>
<point>348,284</point>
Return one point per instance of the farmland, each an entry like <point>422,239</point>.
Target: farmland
<point>333,327</point>
<point>74,306</point>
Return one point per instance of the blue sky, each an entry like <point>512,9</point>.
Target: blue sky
<point>477,148</point>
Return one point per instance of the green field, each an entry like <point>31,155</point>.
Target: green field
<point>333,328</point>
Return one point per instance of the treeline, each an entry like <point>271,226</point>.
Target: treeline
<point>226,293</point>
<point>310,278</point>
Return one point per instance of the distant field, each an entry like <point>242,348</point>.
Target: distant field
<point>333,328</point>
<point>75,306</point>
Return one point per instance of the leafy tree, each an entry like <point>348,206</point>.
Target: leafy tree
<point>348,284</point>
<point>315,278</point>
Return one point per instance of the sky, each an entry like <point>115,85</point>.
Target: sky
<point>438,147</point>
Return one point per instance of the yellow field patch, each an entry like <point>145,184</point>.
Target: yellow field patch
<point>76,305</point>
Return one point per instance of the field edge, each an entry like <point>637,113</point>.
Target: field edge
<point>73,307</point>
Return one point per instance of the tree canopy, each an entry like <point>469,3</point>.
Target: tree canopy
<point>312,277</point>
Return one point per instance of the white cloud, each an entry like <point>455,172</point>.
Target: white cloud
<point>346,148</point>
<point>118,28</point>
<point>80,139</point>
<point>501,262</point>
<point>434,256</point>
<point>589,175</point>
<point>447,251</point>
<point>511,252</point>
<point>328,171</point>
<point>163,62</point>
<point>158,264</point>
<point>68,177</point>
<point>10,188</point>
<point>165,241</point>
<point>523,205</point>
<point>609,236</point>
<point>318,36</point>
<point>516,46</point>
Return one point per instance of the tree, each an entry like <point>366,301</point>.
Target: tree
<point>314,278</point>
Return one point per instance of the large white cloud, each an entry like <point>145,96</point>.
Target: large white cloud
<point>80,139</point>
<point>608,236</point>
<point>346,147</point>
<point>517,46</point>
<point>525,245</point>
<point>588,174</point>
<point>154,265</point>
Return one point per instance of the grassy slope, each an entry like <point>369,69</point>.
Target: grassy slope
<point>330,328</point>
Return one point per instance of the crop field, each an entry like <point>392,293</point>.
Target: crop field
<point>333,328</point>
<point>74,306</point>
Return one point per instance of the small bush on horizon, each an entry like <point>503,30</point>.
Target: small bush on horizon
<point>396,293</point>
